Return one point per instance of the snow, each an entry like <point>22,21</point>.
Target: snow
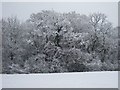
<point>0,81</point>
<point>107,79</point>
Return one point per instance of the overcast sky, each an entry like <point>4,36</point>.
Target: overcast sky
<point>23,10</point>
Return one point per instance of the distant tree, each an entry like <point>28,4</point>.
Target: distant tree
<point>11,42</point>
<point>101,28</point>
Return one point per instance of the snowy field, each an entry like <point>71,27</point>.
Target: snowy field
<point>0,81</point>
<point>62,80</point>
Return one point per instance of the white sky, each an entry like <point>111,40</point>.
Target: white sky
<point>23,10</point>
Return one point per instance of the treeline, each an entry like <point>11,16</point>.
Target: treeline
<point>51,42</point>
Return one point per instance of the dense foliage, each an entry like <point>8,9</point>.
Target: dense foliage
<point>51,42</point>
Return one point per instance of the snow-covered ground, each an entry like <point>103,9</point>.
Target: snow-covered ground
<point>0,81</point>
<point>62,80</point>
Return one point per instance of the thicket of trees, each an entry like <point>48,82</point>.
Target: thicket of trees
<point>51,42</point>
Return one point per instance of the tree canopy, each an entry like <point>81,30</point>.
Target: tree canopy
<point>52,42</point>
